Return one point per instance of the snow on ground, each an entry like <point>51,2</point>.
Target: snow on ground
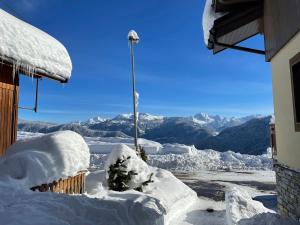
<point>28,47</point>
<point>22,135</point>
<point>179,157</point>
<point>211,160</point>
<point>174,157</point>
<point>160,202</point>
<point>100,145</point>
<point>44,159</point>
<point>167,201</point>
<point>241,209</point>
<point>198,214</point>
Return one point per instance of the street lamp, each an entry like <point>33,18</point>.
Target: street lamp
<point>134,39</point>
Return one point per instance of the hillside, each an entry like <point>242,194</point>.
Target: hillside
<point>246,135</point>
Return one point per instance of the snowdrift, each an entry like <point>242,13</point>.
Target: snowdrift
<point>106,145</point>
<point>45,159</point>
<point>161,201</point>
<point>241,209</point>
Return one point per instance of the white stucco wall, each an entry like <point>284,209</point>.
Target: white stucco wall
<point>288,141</point>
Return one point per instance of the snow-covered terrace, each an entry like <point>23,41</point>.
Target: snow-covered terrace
<point>32,51</point>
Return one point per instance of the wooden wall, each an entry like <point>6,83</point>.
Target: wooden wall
<point>9,92</point>
<point>281,23</point>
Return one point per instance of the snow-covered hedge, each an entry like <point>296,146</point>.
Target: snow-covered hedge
<point>132,166</point>
<point>45,159</point>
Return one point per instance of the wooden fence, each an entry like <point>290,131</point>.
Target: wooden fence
<point>70,185</point>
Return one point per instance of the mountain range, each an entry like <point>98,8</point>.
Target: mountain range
<point>248,135</point>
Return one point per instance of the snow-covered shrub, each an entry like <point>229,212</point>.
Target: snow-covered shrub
<point>125,170</point>
<point>45,159</point>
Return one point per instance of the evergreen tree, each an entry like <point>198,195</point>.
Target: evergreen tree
<point>119,177</point>
<point>142,154</point>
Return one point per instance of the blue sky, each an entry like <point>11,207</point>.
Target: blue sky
<point>176,74</point>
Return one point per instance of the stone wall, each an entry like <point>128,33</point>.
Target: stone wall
<point>288,191</point>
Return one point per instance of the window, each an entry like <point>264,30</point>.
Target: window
<point>295,73</point>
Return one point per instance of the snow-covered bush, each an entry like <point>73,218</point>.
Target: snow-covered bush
<point>45,159</point>
<point>125,170</point>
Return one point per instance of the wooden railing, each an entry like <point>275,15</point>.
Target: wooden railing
<point>273,141</point>
<point>70,185</point>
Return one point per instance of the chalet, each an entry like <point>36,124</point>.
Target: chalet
<point>26,50</point>
<point>226,23</point>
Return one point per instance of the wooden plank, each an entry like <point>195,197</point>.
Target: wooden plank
<point>281,23</point>
<point>8,108</point>
<point>65,186</point>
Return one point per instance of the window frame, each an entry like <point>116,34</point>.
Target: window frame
<point>293,61</point>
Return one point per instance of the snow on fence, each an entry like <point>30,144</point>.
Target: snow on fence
<point>70,185</point>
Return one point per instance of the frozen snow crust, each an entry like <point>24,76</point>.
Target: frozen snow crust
<point>32,49</point>
<point>45,159</point>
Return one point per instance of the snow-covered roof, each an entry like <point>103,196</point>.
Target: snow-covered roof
<point>209,17</point>
<point>32,50</point>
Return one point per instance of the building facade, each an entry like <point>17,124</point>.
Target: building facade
<point>279,22</point>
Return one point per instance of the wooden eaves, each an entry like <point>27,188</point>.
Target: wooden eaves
<point>240,22</point>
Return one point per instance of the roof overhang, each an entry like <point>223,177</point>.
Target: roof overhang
<point>233,5</point>
<point>242,20</point>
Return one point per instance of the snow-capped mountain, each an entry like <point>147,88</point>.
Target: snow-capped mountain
<point>219,123</point>
<point>94,120</point>
<point>202,130</point>
<point>141,117</point>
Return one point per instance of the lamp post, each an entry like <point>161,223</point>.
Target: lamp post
<point>134,39</point>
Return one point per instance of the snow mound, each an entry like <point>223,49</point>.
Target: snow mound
<point>239,205</point>
<point>133,163</point>
<point>173,195</point>
<point>163,200</point>
<point>45,159</point>
<point>178,149</point>
<point>32,49</point>
<point>210,159</point>
<point>106,145</point>
<point>241,209</point>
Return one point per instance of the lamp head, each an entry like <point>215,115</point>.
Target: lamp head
<point>133,36</point>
